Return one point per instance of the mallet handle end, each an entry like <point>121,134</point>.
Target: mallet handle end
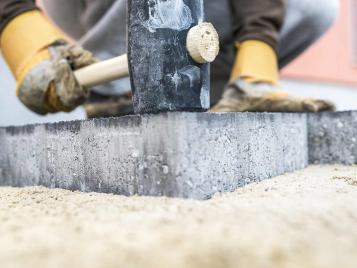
<point>203,43</point>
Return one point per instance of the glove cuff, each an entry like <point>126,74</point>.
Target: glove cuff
<point>24,40</point>
<point>256,62</point>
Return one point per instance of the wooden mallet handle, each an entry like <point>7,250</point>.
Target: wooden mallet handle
<point>102,72</point>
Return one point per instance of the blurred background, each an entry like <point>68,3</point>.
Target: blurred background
<point>327,70</point>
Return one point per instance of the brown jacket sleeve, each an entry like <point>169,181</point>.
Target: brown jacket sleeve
<point>11,8</point>
<point>258,20</point>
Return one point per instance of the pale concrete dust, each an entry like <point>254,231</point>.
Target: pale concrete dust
<point>303,219</point>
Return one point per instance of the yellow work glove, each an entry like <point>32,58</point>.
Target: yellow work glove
<point>242,96</point>
<point>253,85</point>
<point>42,62</point>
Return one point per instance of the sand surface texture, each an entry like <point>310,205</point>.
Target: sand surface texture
<point>304,219</point>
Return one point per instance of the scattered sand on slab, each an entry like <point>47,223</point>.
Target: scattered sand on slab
<point>304,219</point>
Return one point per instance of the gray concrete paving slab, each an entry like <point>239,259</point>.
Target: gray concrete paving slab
<point>189,155</point>
<point>333,138</point>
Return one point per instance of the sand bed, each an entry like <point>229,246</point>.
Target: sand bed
<point>303,219</point>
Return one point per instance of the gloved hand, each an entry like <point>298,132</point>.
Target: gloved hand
<point>43,62</point>
<point>253,86</point>
<point>243,96</point>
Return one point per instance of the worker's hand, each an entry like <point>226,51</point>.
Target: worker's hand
<point>242,96</point>
<point>53,80</point>
<point>43,64</point>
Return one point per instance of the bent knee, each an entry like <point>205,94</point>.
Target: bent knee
<point>325,13</point>
<point>316,15</point>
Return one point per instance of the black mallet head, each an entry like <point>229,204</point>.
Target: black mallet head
<point>169,50</point>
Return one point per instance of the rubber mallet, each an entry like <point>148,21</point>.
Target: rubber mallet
<point>169,51</point>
